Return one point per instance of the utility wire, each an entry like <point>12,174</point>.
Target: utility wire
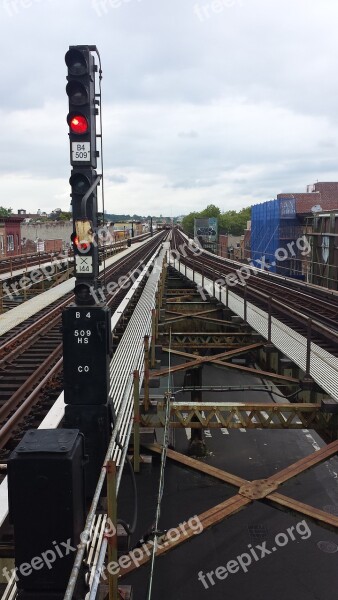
<point>161,482</point>
<point>101,154</point>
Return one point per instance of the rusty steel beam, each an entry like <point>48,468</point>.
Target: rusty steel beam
<point>215,334</point>
<point>259,372</point>
<point>207,519</point>
<point>228,365</point>
<point>201,359</point>
<point>306,463</point>
<point>237,415</point>
<point>216,321</point>
<point>197,465</point>
<point>179,315</point>
<point>187,295</point>
<point>265,490</point>
<point>320,517</point>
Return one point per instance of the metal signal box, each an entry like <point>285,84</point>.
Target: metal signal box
<point>87,346</point>
<point>47,509</point>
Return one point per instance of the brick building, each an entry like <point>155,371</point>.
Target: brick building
<point>10,235</point>
<point>320,194</point>
<point>278,224</point>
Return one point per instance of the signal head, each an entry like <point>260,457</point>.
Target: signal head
<point>77,123</point>
<point>76,62</point>
<point>80,183</point>
<point>77,92</point>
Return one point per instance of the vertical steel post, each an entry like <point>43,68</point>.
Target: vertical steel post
<point>227,295</point>
<point>112,515</point>
<point>146,373</point>
<point>1,298</point>
<point>269,318</point>
<point>161,289</point>
<point>245,304</point>
<point>136,421</point>
<point>308,347</point>
<point>153,338</point>
<point>157,311</point>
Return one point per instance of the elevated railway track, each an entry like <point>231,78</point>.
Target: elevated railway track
<point>307,309</point>
<point>31,353</point>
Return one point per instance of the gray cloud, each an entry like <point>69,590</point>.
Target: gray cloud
<point>229,110</point>
<point>188,134</point>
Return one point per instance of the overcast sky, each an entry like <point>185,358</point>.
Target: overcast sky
<point>224,101</point>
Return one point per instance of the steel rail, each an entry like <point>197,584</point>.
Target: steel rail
<point>288,311</point>
<point>122,396</point>
<point>289,281</point>
<point>33,398</point>
<point>323,365</point>
<point>123,261</point>
<point>6,431</point>
<point>214,263</point>
<point>44,369</point>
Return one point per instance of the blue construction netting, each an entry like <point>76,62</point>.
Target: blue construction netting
<point>274,225</point>
<point>265,223</point>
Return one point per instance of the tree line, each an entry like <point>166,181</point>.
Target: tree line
<point>230,221</point>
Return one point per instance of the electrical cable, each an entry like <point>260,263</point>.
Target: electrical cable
<point>161,482</point>
<point>94,49</point>
<point>130,529</point>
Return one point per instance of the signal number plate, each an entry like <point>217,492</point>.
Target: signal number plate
<point>81,151</point>
<point>84,264</point>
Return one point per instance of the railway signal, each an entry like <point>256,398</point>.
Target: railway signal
<point>81,120</point>
<point>87,339</point>
<point>82,108</point>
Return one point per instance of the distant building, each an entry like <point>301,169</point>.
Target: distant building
<point>321,265</point>
<point>230,246</point>
<point>10,235</point>
<point>278,224</point>
<point>247,242</point>
<point>31,216</point>
<point>126,229</point>
<point>321,194</point>
<point>206,232</point>
<point>34,233</point>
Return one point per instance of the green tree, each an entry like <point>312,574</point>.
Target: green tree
<point>234,222</point>
<point>64,216</point>
<point>188,223</point>
<point>5,212</point>
<point>228,222</point>
<point>210,211</point>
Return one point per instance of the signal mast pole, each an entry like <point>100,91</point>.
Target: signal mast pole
<point>87,342</point>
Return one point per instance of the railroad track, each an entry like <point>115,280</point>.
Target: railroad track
<point>23,261</point>
<point>298,306</point>
<point>32,359</point>
<point>24,328</point>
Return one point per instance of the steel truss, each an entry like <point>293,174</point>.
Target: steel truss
<point>233,415</point>
<point>237,416</point>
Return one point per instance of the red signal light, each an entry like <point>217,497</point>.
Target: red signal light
<point>78,124</point>
<point>74,239</point>
<point>84,246</point>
